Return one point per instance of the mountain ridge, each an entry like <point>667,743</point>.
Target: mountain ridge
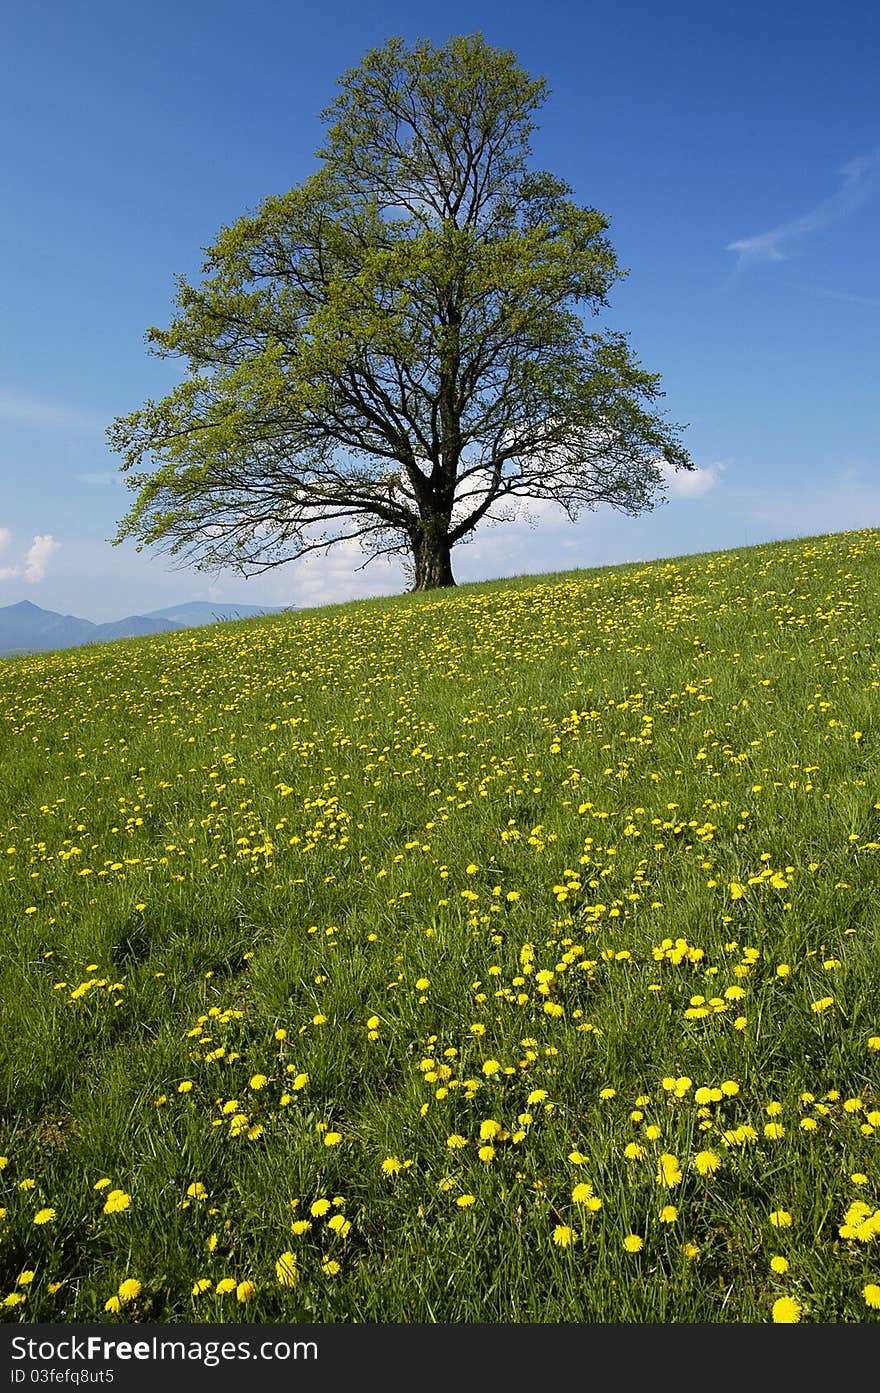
<point>27,628</point>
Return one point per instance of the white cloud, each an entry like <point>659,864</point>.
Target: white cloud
<point>7,572</point>
<point>37,557</point>
<point>860,181</point>
<point>690,483</point>
<point>332,577</point>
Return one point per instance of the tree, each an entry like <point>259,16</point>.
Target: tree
<point>394,350</point>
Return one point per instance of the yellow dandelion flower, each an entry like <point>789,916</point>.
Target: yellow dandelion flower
<point>113,1304</point>
<point>563,1236</point>
<point>202,1284</point>
<point>780,1218</point>
<point>225,1286</point>
<point>330,1266</point>
<point>332,1138</point>
<point>871,1293</point>
<point>116,1202</point>
<point>44,1216</point>
<point>668,1214</point>
<point>391,1165</point>
<point>633,1243</point>
<point>319,1208</point>
<point>779,1264</point>
<point>786,1311</point>
<point>465,1201</point>
<point>286,1270</point>
<point>129,1290</point>
<point>668,1170</point>
<point>707,1162</point>
<point>257,1081</point>
<point>244,1291</point>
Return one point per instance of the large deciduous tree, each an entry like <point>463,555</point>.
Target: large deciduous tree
<point>397,348</point>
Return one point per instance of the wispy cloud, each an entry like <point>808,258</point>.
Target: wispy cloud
<point>106,476</point>
<point>35,412</point>
<point>32,568</point>
<point>860,181</point>
<point>871,302</point>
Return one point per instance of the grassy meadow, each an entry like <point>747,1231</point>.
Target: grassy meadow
<point>500,954</point>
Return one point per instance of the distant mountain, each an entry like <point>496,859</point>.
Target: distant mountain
<point>135,626</point>
<point>210,612</point>
<point>26,628</point>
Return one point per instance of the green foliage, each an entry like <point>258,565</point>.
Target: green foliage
<point>395,349</point>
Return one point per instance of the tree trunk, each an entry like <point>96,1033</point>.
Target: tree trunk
<point>432,555</point>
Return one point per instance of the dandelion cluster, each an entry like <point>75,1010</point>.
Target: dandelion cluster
<point>497,954</point>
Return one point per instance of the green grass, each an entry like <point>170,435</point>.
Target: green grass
<point>573,840</point>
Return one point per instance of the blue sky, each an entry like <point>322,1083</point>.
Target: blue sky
<point>736,150</point>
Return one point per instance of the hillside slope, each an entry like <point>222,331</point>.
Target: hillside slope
<point>498,954</point>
